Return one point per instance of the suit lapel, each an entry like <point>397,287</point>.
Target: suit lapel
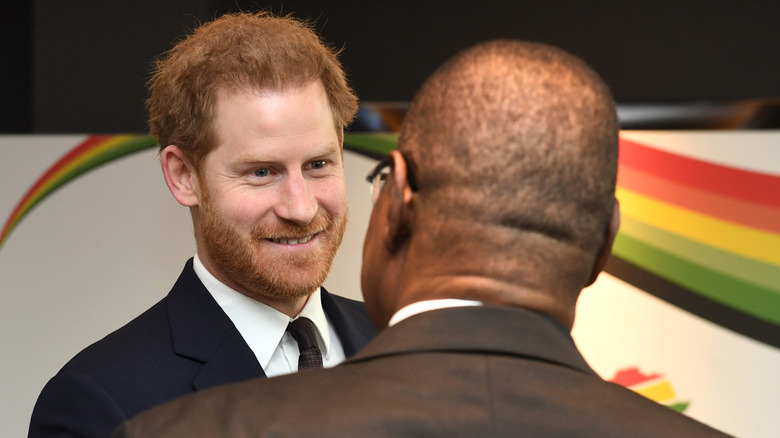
<point>350,320</point>
<point>479,330</point>
<point>202,332</point>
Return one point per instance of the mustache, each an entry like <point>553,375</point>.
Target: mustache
<point>290,230</point>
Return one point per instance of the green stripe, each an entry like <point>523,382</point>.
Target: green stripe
<point>746,269</point>
<point>378,143</point>
<point>753,300</point>
<point>679,407</point>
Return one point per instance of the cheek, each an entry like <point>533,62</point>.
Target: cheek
<point>245,211</point>
<point>332,197</point>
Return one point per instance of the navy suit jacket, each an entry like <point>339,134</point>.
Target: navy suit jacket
<point>182,344</point>
<point>460,372</point>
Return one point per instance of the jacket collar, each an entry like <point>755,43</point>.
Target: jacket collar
<point>202,332</point>
<point>479,330</point>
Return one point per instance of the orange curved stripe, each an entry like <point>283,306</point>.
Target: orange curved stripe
<point>730,209</point>
<point>748,186</point>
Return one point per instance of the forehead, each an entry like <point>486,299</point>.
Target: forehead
<point>300,115</point>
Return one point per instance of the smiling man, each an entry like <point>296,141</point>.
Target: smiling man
<point>249,113</point>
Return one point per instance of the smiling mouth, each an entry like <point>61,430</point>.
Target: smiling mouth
<point>293,241</point>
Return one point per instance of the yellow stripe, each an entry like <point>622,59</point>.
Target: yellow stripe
<point>738,239</point>
<point>660,392</point>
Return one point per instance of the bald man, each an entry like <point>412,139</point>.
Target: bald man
<point>496,210</point>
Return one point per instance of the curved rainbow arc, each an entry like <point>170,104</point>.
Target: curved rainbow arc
<point>95,151</point>
<point>712,229</point>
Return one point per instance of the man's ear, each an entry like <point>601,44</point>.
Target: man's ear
<point>606,247</point>
<point>180,175</point>
<point>399,209</point>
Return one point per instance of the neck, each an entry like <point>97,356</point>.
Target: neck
<point>291,308</point>
<point>491,292</point>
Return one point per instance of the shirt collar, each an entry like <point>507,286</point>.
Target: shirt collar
<point>428,305</point>
<point>262,326</point>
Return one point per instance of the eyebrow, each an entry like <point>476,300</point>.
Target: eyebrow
<point>315,152</point>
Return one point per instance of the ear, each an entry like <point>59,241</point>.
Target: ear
<point>399,209</point>
<point>180,175</point>
<point>606,247</point>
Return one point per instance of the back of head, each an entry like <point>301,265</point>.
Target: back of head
<point>514,148</point>
<point>257,51</point>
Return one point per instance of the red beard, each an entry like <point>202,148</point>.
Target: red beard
<point>260,272</point>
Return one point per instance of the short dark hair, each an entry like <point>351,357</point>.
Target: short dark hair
<point>518,135</point>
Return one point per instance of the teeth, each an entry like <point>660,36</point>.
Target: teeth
<point>293,241</point>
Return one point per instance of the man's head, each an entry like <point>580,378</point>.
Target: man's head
<point>513,147</point>
<point>249,112</point>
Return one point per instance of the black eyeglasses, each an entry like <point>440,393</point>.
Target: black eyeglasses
<point>379,175</point>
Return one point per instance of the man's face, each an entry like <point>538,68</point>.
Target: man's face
<point>272,205</point>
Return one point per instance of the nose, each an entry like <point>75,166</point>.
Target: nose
<point>297,202</point>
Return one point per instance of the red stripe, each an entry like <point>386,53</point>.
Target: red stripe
<point>738,211</point>
<point>725,181</point>
<point>632,376</point>
<point>87,144</point>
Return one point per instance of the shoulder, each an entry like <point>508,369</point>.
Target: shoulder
<point>145,335</point>
<point>128,370</point>
<point>89,395</point>
<point>607,409</point>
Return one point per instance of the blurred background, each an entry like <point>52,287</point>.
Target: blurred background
<point>81,65</point>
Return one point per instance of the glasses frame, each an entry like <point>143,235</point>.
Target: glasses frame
<point>377,177</point>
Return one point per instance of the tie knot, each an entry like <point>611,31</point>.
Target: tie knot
<point>304,332</point>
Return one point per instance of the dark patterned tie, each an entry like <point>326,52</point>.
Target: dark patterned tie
<point>304,332</point>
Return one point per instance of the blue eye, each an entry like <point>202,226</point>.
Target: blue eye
<point>317,164</point>
<point>261,172</point>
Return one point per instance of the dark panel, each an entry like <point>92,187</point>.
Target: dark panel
<point>659,51</point>
<point>92,57</point>
<point>15,74</point>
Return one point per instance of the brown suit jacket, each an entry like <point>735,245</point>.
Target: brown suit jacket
<point>461,372</point>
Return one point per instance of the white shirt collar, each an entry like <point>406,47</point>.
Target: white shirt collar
<point>262,326</point>
<point>428,305</point>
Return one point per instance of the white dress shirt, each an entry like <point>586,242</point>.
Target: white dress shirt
<point>264,328</point>
<point>428,305</point>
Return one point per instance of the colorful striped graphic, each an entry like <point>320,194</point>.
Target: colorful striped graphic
<point>653,386</point>
<point>709,229</point>
<point>96,150</point>
<point>702,236</point>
